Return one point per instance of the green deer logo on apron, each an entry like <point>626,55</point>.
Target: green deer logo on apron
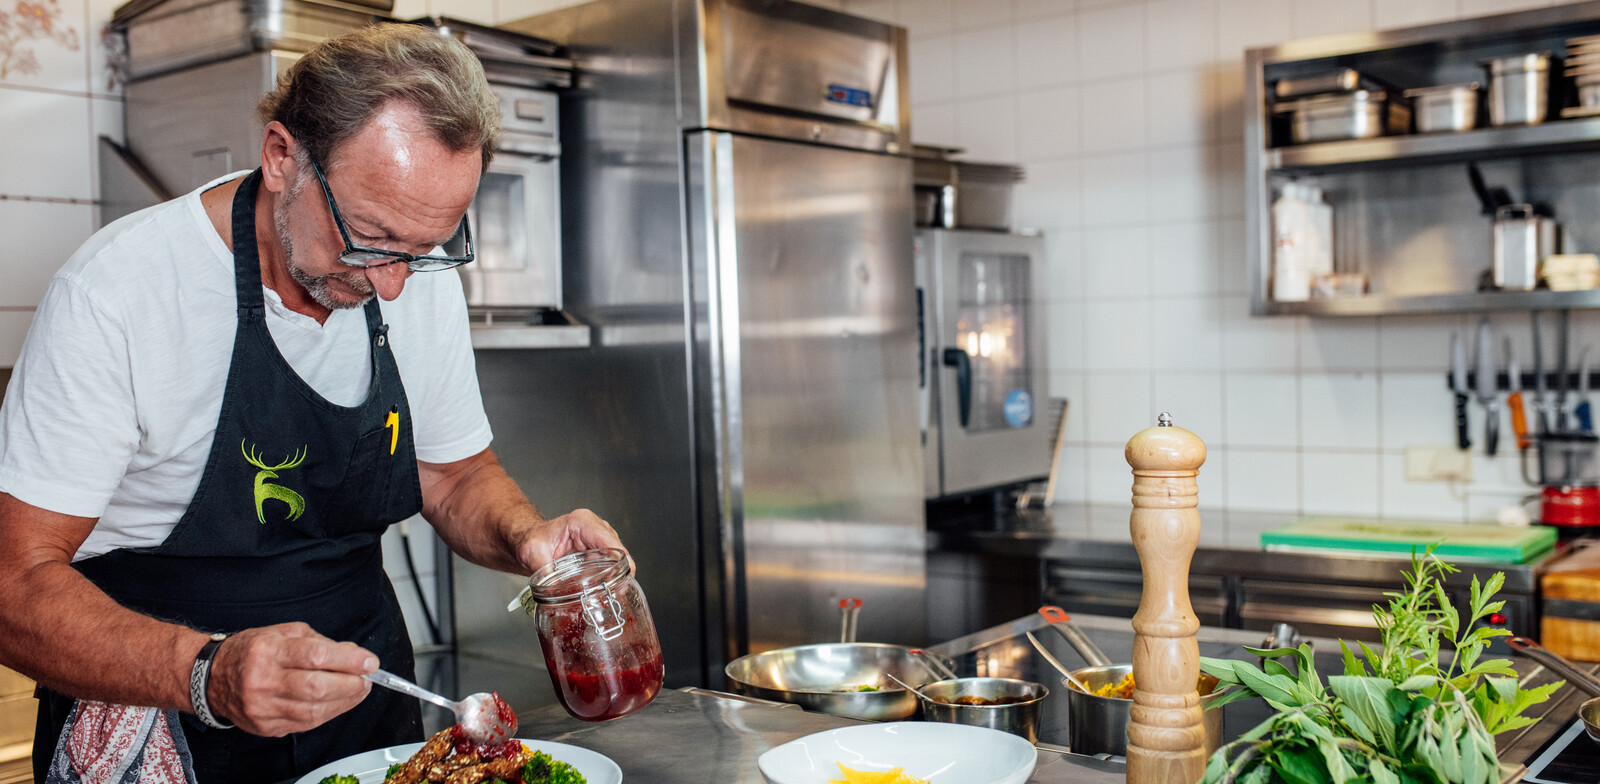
<point>266,492</point>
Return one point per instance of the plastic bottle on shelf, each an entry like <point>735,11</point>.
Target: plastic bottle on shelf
<point>1321,242</point>
<point>1292,240</point>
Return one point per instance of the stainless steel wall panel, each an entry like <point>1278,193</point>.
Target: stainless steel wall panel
<point>193,126</point>
<point>604,428</point>
<point>822,453</point>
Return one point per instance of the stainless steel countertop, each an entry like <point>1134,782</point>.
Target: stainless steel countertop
<point>701,736</point>
<point>1003,651</point>
<point>694,738</point>
<point>1230,544</point>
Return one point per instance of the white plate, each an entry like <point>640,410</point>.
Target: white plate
<point>369,766</point>
<point>940,753</point>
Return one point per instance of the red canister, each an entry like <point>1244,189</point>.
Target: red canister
<point>1572,507</point>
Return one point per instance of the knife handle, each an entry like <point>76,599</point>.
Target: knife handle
<point>1463,439</point>
<point>1519,420</point>
<point>1491,429</point>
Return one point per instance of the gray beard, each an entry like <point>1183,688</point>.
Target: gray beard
<point>316,286</point>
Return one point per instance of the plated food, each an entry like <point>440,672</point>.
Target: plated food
<point>891,776</point>
<point>449,757</point>
<point>375,767</point>
<point>926,750</point>
<point>1121,690</point>
<point>973,699</point>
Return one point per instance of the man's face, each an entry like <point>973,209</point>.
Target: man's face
<point>334,291</point>
<point>397,189</point>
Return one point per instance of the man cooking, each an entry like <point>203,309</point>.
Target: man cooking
<point>214,419</point>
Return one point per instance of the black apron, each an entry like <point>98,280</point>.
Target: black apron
<point>284,526</point>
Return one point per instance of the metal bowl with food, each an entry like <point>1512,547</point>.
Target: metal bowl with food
<point>1004,704</point>
<point>841,679</point>
<point>1099,724</point>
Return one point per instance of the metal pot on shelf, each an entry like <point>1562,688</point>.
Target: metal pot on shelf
<point>1519,88</point>
<point>1522,239</point>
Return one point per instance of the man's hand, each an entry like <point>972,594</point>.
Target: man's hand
<point>546,540</point>
<point>286,678</point>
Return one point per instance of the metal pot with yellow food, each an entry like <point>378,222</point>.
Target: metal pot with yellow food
<point>1098,719</point>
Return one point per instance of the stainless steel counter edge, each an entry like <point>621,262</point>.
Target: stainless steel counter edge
<point>529,336</point>
<point>1378,569</point>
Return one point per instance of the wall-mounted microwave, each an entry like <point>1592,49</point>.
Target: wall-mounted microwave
<point>516,217</point>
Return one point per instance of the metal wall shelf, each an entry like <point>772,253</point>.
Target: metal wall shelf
<point>1378,305</point>
<point>1552,136</point>
<point>1403,213</point>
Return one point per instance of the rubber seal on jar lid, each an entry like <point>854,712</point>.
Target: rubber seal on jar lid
<point>569,577</point>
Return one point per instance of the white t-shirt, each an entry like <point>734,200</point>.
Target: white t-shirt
<point>113,403</point>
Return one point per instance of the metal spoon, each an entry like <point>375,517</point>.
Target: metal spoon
<point>485,718</point>
<point>1056,663</point>
<point>909,687</point>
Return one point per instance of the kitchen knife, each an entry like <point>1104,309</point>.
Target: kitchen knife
<point>1488,388</point>
<point>1563,384</point>
<point>1541,414</point>
<point>1458,384</point>
<point>1519,414</point>
<point>1582,412</point>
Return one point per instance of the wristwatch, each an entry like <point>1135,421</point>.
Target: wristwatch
<point>200,678</point>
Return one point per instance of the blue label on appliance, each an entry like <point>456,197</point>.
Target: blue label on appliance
<point>1019,408</point>
<point>839,93</point>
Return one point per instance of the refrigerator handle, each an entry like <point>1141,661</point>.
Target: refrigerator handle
<point>958,359</point>
<point>922,343</point>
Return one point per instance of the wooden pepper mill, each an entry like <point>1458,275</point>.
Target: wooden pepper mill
<point>1166,740</point>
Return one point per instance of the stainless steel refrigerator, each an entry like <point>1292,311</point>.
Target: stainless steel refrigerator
<point>737,217</point>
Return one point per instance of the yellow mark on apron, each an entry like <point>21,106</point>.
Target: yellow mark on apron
<point>393,422</point>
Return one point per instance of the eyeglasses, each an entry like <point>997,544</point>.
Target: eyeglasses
<point>361,256</point>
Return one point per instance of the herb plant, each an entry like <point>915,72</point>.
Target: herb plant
<point>1409,713</point>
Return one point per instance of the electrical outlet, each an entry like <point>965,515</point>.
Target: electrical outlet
<point>1438,464</point>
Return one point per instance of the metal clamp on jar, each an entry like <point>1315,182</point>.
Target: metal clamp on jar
<point>595,629</point>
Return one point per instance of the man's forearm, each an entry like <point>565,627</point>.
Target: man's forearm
<point>66,634</point>
<point>478,510</point>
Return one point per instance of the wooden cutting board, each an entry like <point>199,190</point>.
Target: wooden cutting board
<point>1461,542</point>
<point>1570,590</point>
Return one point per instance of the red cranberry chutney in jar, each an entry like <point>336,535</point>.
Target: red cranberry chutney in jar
<point>595,630</point>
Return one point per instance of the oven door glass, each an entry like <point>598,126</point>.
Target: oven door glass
<point>992,327</point>
<point>516,230</point>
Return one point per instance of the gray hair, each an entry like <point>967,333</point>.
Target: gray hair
<point>331,92</point>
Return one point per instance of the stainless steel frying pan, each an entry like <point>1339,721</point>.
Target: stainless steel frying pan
<point>828,677</point>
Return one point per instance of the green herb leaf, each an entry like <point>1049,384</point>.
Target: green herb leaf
<point>1273,689</point>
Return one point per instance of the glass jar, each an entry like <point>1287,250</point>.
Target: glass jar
<point>595,629</point>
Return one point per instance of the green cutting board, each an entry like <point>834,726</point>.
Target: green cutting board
<point>1467,542</point>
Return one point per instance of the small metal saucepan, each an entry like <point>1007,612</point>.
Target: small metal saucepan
<point>1588,711</point>
<point>1003,704</point>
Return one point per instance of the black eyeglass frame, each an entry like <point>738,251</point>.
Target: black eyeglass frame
<point>423,263</point>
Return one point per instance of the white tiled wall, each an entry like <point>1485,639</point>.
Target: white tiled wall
<point>1127,115</point>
